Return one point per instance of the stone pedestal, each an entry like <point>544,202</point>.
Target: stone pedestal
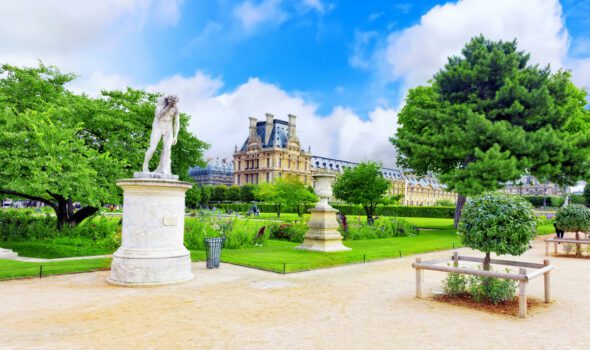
<point>323,235</point>
<point>152,251</point>
<point>7,254</point>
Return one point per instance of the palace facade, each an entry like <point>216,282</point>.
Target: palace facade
<point>529,186</point>
<point>271,151</point>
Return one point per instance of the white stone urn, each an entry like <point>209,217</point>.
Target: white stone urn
<point>322,234</point>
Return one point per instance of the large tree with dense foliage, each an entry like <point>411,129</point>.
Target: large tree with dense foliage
<point>489,117</point>
<point>363,185</point>
<point>59,148</point>
<point>498,223</point>
<point>285,192</point>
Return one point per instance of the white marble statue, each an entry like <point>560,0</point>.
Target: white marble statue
<point>165,127</point>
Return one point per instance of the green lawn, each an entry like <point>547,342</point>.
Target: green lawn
<point>276,253</point>
<point>10,269</point>
<point>51,250</point>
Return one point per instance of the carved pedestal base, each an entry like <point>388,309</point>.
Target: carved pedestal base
<point>323,235</point>
<point>7,254</point>
<point>152,251</point>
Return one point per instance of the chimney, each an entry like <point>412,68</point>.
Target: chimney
<point>252,133</point>
<point>269,126</point>
<point>292,126</point>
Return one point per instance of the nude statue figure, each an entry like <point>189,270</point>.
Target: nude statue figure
<point>165,126</point>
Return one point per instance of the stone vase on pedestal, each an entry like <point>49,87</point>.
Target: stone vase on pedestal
<point>152,251</point>
<point>322,234</point>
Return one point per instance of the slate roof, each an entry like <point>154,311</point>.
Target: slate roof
<point>278,136</point>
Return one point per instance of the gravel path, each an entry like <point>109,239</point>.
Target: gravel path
<point>361,306</point>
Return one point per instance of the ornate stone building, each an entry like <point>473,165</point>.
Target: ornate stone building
<point>529,186</point>
<point>424,191</point>
<point>216,172</point>
<point>272,150</point>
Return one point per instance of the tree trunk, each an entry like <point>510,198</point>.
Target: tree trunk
<point>486,262</point>
<point>369,211</point>
<point>461,199</point>
<point>578,245</point>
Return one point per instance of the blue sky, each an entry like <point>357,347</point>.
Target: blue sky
<point>343,67</point>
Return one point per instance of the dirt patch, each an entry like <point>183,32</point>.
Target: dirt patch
<point>509,308</point>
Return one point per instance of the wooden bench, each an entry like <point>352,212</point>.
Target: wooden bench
<point>555,241</point>
<point>523,276</point>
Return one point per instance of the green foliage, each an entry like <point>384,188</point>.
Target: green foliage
<point>573,218</point>
<point>498,223</point>
<point>402,211</point>
<point>193,197</point>
<point>206,193</point>
<point>381,228</point>
<point>58,147</point>
<point>289,192</point>
<point>577,199</point>
<point>287,232</point>
<point>363,185</point>
<point>205,226</point>
<point>218,193</point>
<point>550,201</point>
<point>232,194</point>
<point>455,284</point>
<point>445,203</point>
<point>494,290</point>
<point>247,193</point>
<point>488,117</point>
<point>587,194</point>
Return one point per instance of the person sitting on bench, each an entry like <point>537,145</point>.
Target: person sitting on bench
<point>558,231</point>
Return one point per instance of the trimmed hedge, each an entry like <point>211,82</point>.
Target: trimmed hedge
<point>550,201</point>
<point>386,210</point>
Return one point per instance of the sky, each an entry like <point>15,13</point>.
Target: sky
<point>342,66</point>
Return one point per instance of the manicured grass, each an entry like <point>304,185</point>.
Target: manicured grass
<point>10,269</point>
<point>51,250</point>
<point>276,253</point>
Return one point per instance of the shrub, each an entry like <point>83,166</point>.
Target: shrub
<point>381,228</point>
<point>444,203</point>
<point>498,223</point>
<point>573,218</point>
<point>205,226</point>
<point>287,232</point>
<point>550,201</point>
<point>494,290</point>
<point>455,284</point>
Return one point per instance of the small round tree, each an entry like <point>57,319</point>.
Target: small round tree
<point>495,222</point>
<point>573,218</point>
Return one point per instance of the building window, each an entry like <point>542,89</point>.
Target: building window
<point>280,162</point>
<point>268,162</point>
<point>238,179</point>
<point>267,177</point>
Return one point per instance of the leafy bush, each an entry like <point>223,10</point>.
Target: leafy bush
<point>381,228</point>
<point>550,201</point>
<point>499,223</point>
<point>455,284</point>
<point>444,203</point>
<point>577,199</point>
<point>480,288</point>
<point>573,218</point>
<point>206,226</point>
<point>287,232</point>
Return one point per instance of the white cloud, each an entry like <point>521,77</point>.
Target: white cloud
<point>167,11</point>
<point>414,54</point>
<point>361,56</point>
<point>221,119</point>
<point>92,84</point>
<point>252,16</point>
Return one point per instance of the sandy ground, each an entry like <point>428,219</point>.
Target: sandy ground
<point>365,306</point>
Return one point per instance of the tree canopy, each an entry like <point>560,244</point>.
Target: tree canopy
<point>285,192</point>
<point>498,223</point>
<point>363,185</point>
<point>58,147</point>
<point>488,117</point>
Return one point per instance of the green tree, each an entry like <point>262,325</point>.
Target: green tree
<point>232,193</point>
<point>193,197</point>
<point>497,223</point>
<point>489,117</point>
<point>284,193</point>
<point>218,193</point>
<point>573,218</point>
<point>206,193</point>
<point>247,192</point>
<point>58,148</point>
<point>363,185</point>
<point>587,194</point>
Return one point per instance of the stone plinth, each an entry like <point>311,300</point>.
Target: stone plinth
<point>323,235</point>
<point>7,254</point>
<point>152,251</point>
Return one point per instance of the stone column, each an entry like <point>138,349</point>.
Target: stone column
<point>152,250</point>
<point>322,234</point>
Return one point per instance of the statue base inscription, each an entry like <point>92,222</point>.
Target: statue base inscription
<point>152,251</point>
